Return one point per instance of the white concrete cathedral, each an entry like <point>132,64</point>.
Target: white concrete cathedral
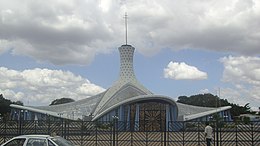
<point>126,99</point>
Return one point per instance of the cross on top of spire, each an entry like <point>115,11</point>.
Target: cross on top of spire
<point>125,17</point>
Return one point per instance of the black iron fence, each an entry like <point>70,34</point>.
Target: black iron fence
<point>119,134</point>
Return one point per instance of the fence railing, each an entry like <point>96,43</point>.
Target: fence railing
<point>121,134</point>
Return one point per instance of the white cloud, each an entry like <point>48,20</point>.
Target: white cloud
<point>241,70</point>
<point>220,26</point>
<point>182,71</point>
<point>243,73</point>
<point>41,86</point>
<point>63,32</point>
<point>204,91</point>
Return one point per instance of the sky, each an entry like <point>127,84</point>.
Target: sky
<point>69,49</point>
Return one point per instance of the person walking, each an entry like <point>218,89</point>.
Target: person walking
<point>208,133</point>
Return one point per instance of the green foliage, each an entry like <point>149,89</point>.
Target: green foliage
<point>18,103</point>
<point>246,120</point>
<point>102,125</point>
<point>61,101</point>
<point>4,106</point>
<point>209,100</point>
<point>216,117</point>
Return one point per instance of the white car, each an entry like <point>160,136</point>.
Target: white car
<point>37,140</point>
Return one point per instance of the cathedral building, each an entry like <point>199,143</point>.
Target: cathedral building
<point>128,101</point>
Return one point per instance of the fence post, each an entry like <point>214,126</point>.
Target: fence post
<point>114,133</point>
<point>96,133</point>
<point>35,125</point>
<point>82,133</point>
<point>217,138</point>
<point>5,133</point>
<point>20,124</point>
<point>64,128</point>
<point>49,125</point>
<point>183,135</point>
<point>198,129</point>
<point>115,121</point>
<point>236,135</point>
<point>165,130</point>
<point>220,134</point>
<point>131,131</point>
<point>61,123</point>
<point>252,129</point>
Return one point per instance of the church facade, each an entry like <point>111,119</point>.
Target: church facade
<point>127,100</point>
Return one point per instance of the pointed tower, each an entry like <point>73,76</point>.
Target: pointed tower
<point>126,63</point>
<point>126,87</point>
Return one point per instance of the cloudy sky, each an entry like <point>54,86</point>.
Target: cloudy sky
<point>66,48</point>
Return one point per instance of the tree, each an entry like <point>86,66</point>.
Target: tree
<point>246,108</point>
<point>206,100</point>
<point>18,103</point>
<point>4,106</point>
<point>61,101</point>
<point>209,100</point>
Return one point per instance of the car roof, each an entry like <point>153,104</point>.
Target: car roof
<point>33,135</point>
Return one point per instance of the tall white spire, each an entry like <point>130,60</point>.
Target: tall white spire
<point>125,27</point>
<point>127,86</point>
<point>126,63</point>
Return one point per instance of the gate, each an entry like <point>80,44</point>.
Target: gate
<point>116,133</point>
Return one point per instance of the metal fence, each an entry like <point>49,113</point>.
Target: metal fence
<point>118,134</point>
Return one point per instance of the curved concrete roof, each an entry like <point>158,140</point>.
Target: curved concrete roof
<point>190,112</point>
<point>72,110</point>
<point>136,99</point>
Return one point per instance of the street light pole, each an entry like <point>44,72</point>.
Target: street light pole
<point>115,118</point>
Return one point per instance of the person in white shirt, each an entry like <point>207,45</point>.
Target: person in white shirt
<point>208,133</point>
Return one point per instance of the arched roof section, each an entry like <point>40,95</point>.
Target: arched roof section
<point>205,113</point>
<point>77,108</point>
<point>137,99</point>
<point>127,91</point>
<point>35,110</point>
